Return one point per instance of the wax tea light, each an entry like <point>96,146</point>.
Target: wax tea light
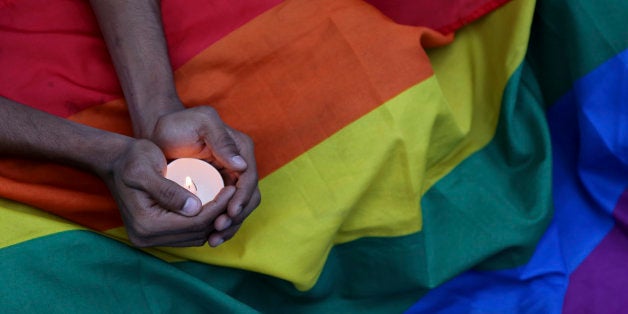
<point>196,175</point>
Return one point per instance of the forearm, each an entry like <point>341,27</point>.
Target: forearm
<point>30,133</point>
<point>134,35</point>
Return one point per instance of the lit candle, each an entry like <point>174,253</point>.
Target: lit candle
<point>189,184</point>
<point>197,176</point>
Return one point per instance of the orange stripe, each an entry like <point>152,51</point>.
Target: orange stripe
<point>290,78</point>
<point>67,192</point>
<point>305,70</point>
<point>300,72</point>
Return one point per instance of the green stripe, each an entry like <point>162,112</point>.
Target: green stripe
<point>370,275</point>
<point>490,211</point>
<point>83,272</point>
<point>493,208</point>
<point>571,38</point>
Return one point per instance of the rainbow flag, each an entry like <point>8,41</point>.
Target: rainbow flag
<point>461,156</point>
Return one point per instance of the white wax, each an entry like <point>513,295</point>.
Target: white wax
<point>206,178</point>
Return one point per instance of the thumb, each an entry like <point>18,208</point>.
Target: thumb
<point>224,149</point>
<point>173,197</point>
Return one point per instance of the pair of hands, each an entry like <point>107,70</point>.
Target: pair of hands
<point>157,211</point>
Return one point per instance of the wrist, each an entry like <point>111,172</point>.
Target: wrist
<point>107,151</point>
<point>153,109</point>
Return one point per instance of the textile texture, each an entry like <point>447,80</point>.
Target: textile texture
<point>414,156</point>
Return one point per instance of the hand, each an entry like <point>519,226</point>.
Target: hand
<point>135,37</point>
<point>200,133</point>
<point>155,210</point>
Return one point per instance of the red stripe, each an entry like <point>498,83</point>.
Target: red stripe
<point>193,25</point>
<point>53,57</point>
<point>307,80</point>
<point>445,16</point>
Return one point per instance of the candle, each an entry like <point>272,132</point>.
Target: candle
<point>196,175</point>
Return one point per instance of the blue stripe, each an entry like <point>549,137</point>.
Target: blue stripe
<point>589,134</point>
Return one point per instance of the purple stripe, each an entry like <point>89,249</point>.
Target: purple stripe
<point>599,284</point>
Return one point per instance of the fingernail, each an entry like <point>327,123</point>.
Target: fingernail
<point>238,161</point>
<point>216,242</point>
<point>226,223</point>
<point>191,207</point>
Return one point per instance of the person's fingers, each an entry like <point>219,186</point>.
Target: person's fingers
<point>168,194</point>
<point>204,220</point>
<point>144,171</point>
<point>218,238</point>
<point>201,133</point>
<point>149,225</point>
<point>220,140</point>
<point>222,222</point>
<point>147,233</point>
<point>247,182</point>
<point>176,135</point>
<point>144,195</point>
<point>175,240</point>
<point>199,242</point>
<point>226,227</point>
<point>173,197</point>
<point>239,215</point>
<point>224,232</point>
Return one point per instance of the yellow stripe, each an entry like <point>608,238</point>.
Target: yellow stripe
<point>307,201</point>
<point>367,179</point>
<point>21,223</point>
<point>450,117</point>
<point>472,75</point>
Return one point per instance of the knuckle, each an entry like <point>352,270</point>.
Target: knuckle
<point>224,142</point>
<point>208,110</point>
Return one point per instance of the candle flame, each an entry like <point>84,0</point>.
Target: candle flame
<point>189,184</point>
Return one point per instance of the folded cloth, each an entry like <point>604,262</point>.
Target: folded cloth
<point>393,157</point>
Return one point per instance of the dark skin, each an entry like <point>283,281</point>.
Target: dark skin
<point>156,211</point>
<point>134,35</point>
